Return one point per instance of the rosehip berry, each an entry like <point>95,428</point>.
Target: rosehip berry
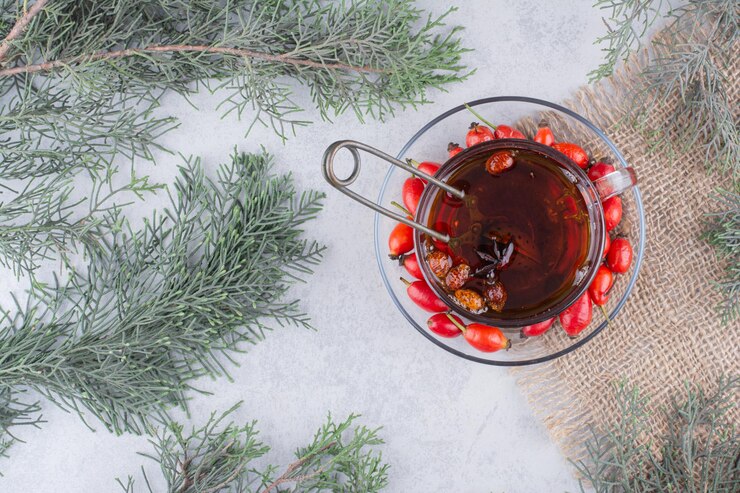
<point>599,170</point>
<point>499,162</point>
<point>537,329</point>
<point>420,293</point>
<point>577,316</point>
<point>495,295</point>
<point>477,134</point>
<point>600,286</point>
<point>506,132</point>
<point>439,262</point>
<point>429,168</point>
<point>400,241</point>
<point>411,193</point>
<point>470,299</point>
<point>544,136</point>
<point>483,337</point>
<point>454,149</point>
<point>411,264</point>
<point>612,212</point>
<point>574,152</point>
<point>457,276</point>
<point>441,325</point>
<point>619,257</point>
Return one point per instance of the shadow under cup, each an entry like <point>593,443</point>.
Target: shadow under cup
<point>550,267</point>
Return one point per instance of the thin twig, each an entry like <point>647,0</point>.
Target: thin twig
<point>109,55</point>
<point>20,26</point>
<point>225,482</point>
<point>187,483</point>
<point>285,477</point>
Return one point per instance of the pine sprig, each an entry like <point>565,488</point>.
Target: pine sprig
<point>81,80</point>
<point>365,56</point>
<point>214,457</point>
<point>688,63</point>
<point>15,413</point>
<point>44,221</point>
<point>330,460</point>
<point>157,307</point>
<point>699,452</point>
<point>49,129</point>
<point>219,456</point>
<point>627,24</point>
<point>724,234</point>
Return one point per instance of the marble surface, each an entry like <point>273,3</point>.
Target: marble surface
<point>449,425</point>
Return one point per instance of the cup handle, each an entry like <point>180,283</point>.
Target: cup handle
<point>615,183</point>
<point>342,184</point>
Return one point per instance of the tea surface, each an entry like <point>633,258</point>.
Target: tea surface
<point>533,206</point>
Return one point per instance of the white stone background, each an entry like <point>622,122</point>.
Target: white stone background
<point>449,425</point>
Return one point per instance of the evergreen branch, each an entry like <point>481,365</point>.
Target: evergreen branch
<point>704,115</point>
<point>155,308</point>
<point>218,457</point>
<point>46,130</point>
<point>290,476</point>
<point>20,26</point>
<point>13,413</point>
<point>686,71</point>
<point>38,223</point>
<point>80,80</point>
<point>362,56</point>
<point>215,457</point>
<point>628,22</point>
<point>328,460</point>
<point>111,55</point>
<point>699,452</point>
<point>723,232</point>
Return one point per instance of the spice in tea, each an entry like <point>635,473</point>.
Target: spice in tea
<point>520,238</point>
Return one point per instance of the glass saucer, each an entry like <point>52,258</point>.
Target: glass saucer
<point>523,113</point>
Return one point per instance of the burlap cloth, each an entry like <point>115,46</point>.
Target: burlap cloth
<point>668,332</point>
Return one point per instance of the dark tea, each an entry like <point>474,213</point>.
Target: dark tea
<point>520,238</point>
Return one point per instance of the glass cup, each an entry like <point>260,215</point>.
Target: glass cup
<point>578,124</point>
<point>593,193</point>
